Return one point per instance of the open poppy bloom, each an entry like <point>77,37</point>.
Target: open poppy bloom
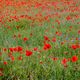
<point>47,46</point>
<point>74,58</point>
<point>28,53</point>
<point>74,46</point>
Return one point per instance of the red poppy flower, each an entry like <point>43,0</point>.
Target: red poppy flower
<point>47,46</point>
<point>11,49</point>
<point>64,61</point>
<point>28,53</point>
<point>74,46</point>
<point>35,49</point>
<point>19,48</point>
<point>46,38</point>
<point>5,62</point>
<point>74,58</point>
<point>25,39</point>
<point>15,49</point>
<point>68,18</point>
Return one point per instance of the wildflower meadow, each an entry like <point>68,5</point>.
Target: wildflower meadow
<point>39,39</point>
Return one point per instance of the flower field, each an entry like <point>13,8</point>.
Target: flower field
<point>39,39</point>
